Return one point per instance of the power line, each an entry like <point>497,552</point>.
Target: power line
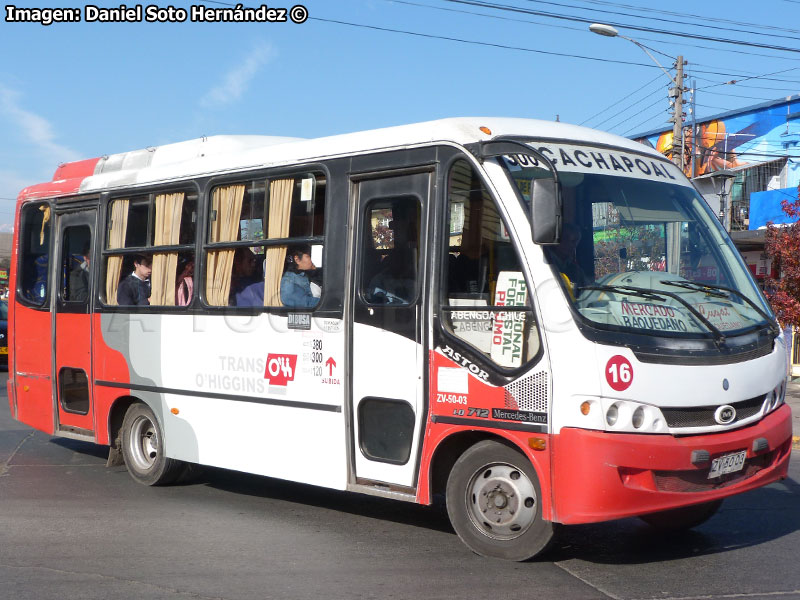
<point>708,106</point>
<point>478,14</point>
<point>764,76</point>
<point>477,43</point>
<point>515,9</point>
<point>685,23</point>
<point>764,87</point>
<point>738,96</point>
<point>622,99</point>
<point>732,50</point>
<point>740,74</point>
<point>505,46</point>
<point>716,19</point>
<point>626,109</point>
<point>582,29</point>
<point>635,127</point>
<point>649,106</point>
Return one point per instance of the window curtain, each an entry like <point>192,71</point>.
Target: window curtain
<point>167,233</point>
<point>280,204</point>
<point>116,240</point>
<point>226,207</point>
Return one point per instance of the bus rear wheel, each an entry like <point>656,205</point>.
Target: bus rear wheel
<point>681,519</point>
<point>143,448</point>
<point>494,503</point>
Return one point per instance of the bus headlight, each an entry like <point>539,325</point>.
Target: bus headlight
<point>633,417</point>
<point>612,414</point>
<point>638,417</point>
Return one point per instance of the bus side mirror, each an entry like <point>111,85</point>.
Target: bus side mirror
<point>545,211</point>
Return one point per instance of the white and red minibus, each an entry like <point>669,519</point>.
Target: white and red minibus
<point>541,322</point>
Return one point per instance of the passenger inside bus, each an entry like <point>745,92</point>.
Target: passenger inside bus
<point>184,286</point>
<point>298,289</point>
<point>396,279</point>
<point>253,294</point>
<point>134,290</point>
<point>78,290</point>
<point>244,273</point>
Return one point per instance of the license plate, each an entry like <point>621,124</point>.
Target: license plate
<point>3,349</point>
<point>730,463</point>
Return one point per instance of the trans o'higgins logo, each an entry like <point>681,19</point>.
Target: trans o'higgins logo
<point>725,414</point>
<point>280,368</point>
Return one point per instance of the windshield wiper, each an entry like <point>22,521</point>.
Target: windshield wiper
<point>719,337</point>
<point>714,290</point>
<point>633,291</point>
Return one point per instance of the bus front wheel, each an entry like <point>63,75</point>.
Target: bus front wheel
<point>143,448</point>
<point>494,503</point>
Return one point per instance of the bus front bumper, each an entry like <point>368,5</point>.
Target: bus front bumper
<point>599,476</point>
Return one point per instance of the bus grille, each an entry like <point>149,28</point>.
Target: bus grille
<point>697,480</point>
<point>750,352</point>
<point>529,393</point>
<point>703,416</point>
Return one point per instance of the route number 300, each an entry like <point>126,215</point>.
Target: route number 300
<point>619,373</point>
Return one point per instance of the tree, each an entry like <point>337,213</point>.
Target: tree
<point>783,247</point>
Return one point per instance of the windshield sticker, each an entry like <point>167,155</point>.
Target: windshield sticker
<point>581,159</point>
<point>724,318</point>
<point>643,315</point>
<point>508,328</point>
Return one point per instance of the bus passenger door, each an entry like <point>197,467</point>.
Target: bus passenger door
<point>388,354</point>
<point>73,325</point>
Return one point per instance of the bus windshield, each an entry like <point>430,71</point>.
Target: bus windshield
<point>641,250</point>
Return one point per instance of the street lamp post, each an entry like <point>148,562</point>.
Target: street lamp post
<point>676,92</point>
<point>724,179</point>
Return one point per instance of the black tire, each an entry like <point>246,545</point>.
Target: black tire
<point>494,503</point>
<point>143,448</point>
<point>681,519</point>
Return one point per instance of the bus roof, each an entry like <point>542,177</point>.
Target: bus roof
<point>231,153</point>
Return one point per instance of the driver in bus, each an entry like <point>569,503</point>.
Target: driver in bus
<point>78,290</point>
<point>396,279</point>
<point>134,290</point>
<point>564,256</point>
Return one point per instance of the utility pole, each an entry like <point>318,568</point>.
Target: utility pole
<point>676,93</point>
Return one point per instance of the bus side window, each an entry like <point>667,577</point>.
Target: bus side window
<point>483,270</point>
<point>391,254</point>
<point>35,250</point>
<point>273,217</point>
<point>76,264</point>
<point>138,227</point>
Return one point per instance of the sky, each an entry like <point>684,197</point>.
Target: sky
<point>71,90</point>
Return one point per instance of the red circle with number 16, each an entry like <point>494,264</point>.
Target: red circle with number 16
<point>619,373</point>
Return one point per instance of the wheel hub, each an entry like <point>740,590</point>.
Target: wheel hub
<point>143,443</point>
<point>501,501</point>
